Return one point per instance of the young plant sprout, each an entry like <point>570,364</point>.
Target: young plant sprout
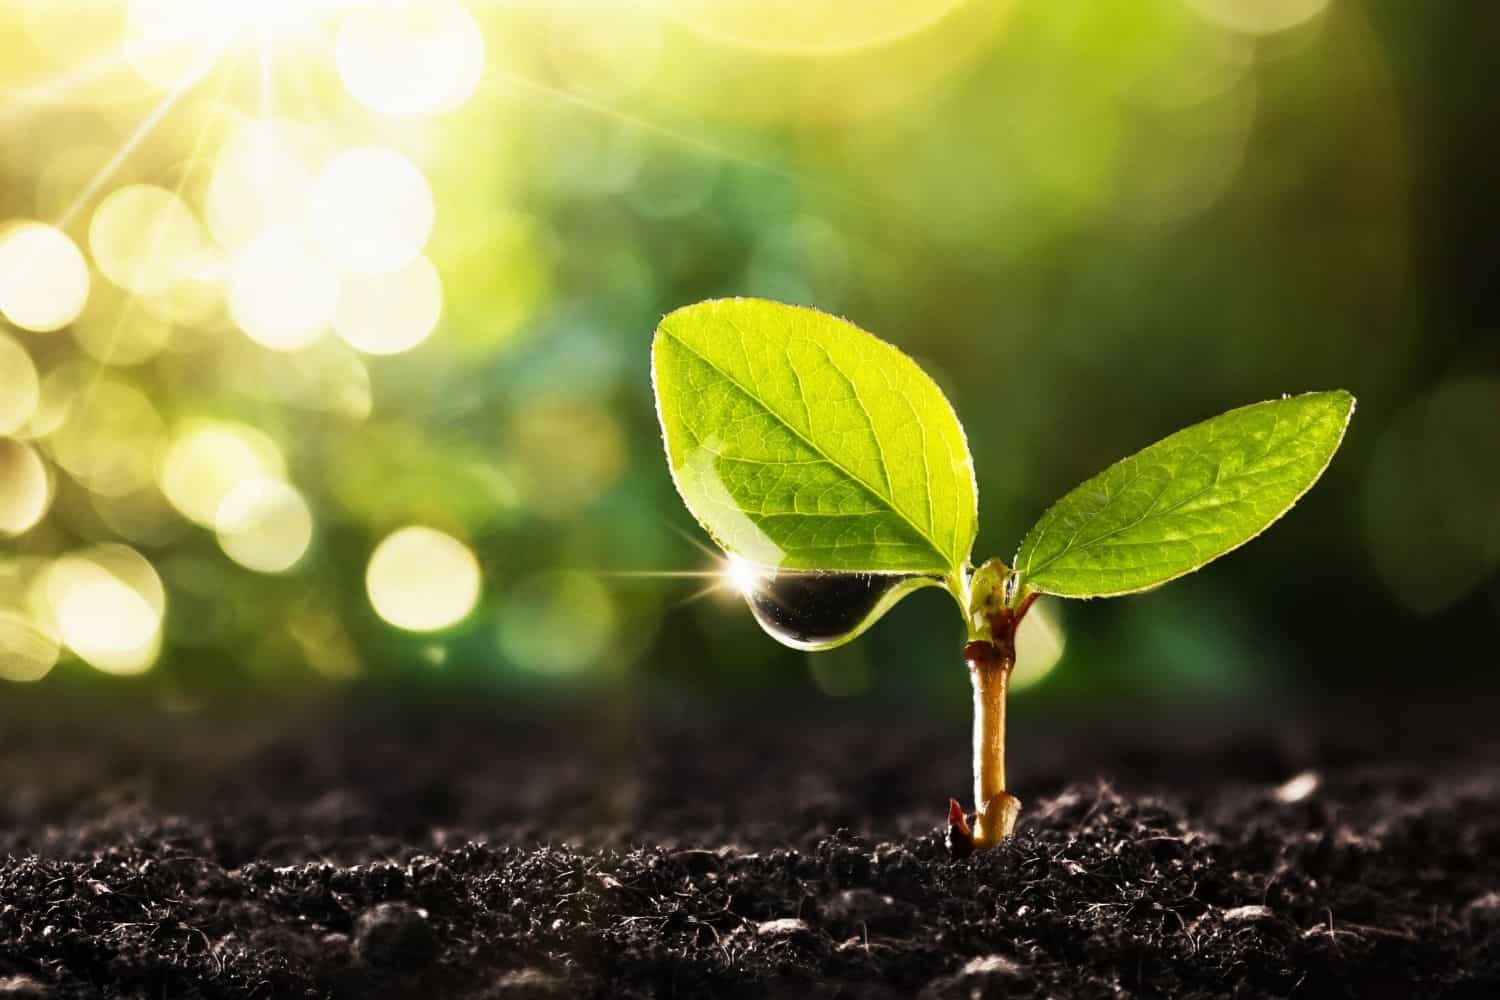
<point>836,476</point>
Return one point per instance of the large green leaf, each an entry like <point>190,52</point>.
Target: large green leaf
<point>799,441</point>
<point>1184,501</point>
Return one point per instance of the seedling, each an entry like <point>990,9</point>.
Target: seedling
<point>835,475</point>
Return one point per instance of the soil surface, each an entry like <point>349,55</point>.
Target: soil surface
<point>457,851</point>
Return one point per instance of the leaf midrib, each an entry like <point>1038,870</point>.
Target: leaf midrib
<point>889,502</point>
<point>1033,570</point>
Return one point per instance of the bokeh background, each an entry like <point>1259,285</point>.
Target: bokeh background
<point>324,358</point>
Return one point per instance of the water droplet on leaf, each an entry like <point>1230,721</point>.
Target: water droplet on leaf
<point>815,610</point>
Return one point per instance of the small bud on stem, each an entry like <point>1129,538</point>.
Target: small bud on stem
<point>960,839</point>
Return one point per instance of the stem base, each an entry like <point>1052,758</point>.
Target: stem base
<point>996,820</point>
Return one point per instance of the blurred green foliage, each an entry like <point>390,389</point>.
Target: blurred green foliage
<point>1092,223</point>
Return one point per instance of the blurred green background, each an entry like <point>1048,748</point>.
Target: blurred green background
<point>325,353</point>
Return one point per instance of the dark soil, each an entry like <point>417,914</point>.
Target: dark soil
<point>429,853</point>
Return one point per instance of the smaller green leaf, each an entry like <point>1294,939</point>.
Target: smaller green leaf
<point>1184,501</point>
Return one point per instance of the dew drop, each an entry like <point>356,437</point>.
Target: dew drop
<point>814,610</point>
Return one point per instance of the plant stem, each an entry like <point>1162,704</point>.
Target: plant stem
<point>995,808</point>
<point>989,680</point>
<point>991,655</point>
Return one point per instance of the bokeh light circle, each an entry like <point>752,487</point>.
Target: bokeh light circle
<point>25,490</point>
<point>282,292</point>
<point>390,313</point>
<point>264,525</point>
<point>207,461</point>
<point>61,388</point>
<point>172,43</point>
<point>371,210</point>
<point>841,673</point>
<point>108,604</point>
<point>422,580</point>
<point>143,517</point>
<point>195,306</point>
<point>411,58</point>
<point>66,175</point>
<point>1258,17</point>
<point>557,623</point>
<point>1432,510</point>
<point>120,329</point>
<point>262,178</point>
<point>1039,646</point>
<point>20,388</point>
<point>797,26</point>
<point>27,650</point>
<point>590,437</point>
<point>29,646</point>
<point>143,238</point>
<point>110,438</point>
<point>44,281</point>
<point>603,52</point>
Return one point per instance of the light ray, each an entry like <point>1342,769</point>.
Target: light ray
<point>698,595</point>
<point>659,574</point>
<point>498,77</point>
<point>696,543</point>
<point>55,89</point>
<point>135,138</point>
<point>496,80</point>
<point>192,164</point>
